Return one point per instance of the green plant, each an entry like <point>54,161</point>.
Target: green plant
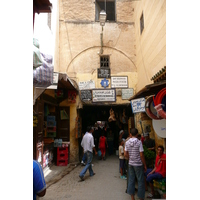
<point>148,154</point>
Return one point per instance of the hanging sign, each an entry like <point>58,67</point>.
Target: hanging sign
<point>127,93</point>
<point>104,95</point>
<point>72,96</point>
<point>138,105</point>
<point>119,81</point>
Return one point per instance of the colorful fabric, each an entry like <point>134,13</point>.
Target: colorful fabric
<point>37,60</point>
<point>43,75</point>
<point>38,179</point>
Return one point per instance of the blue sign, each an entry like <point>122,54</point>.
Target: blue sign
<point>138,105</point>
<point>104,83</point>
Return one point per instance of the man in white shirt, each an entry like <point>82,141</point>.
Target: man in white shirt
<point>88,145</point>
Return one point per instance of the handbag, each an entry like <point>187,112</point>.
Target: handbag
<point>99,153</point>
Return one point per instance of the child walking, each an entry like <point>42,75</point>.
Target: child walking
<point>121,159</point>
<point>102,145</point>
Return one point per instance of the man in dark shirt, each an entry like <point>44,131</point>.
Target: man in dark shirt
<point>149,143</point>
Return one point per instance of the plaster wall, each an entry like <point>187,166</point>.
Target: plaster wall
<point>73,141</point>
<point>80,39</point>
<point>80,44</point>
<point>151,44</point>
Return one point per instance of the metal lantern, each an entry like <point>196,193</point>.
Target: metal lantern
<point>102,17</point>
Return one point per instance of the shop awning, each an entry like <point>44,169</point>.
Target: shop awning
<point>148,90</point>
<point>42,6</point>
<point>65,82</point>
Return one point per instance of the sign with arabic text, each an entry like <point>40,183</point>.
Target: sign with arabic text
<point>103,95</point>
<point>138,105</point>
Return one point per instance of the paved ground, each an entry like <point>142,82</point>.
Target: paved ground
<point>64,182</point>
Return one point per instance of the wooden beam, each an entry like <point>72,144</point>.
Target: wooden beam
<point>49,99</point>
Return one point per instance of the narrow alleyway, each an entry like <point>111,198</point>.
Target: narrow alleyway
<point>105,185</point>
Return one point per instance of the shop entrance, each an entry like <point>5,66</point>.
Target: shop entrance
<point>94,114</point>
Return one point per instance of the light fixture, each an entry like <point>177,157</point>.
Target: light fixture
<point>102,17</point>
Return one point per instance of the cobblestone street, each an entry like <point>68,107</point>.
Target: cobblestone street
<point>105,185</point>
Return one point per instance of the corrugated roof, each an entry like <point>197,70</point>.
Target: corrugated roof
<point>149,90</point>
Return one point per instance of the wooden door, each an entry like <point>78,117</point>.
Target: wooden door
<point>63,126</point>
<point>38,132</point>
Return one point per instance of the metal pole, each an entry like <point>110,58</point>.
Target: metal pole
<point>101,37</point>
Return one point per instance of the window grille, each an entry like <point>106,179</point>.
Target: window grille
<point>104,61</point>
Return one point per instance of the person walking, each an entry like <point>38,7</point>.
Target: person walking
<point>83,161</point>
<point>103,144</point>
<point>137,166</point>
<point>88,145</point>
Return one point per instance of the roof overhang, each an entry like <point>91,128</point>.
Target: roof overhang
<point>65,82</point>
<point>42,6</point>
<point>148,90</point>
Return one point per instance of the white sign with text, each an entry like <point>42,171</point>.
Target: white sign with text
<point>83,85</point>
<point>138,105</point>
<point>119,81</point>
